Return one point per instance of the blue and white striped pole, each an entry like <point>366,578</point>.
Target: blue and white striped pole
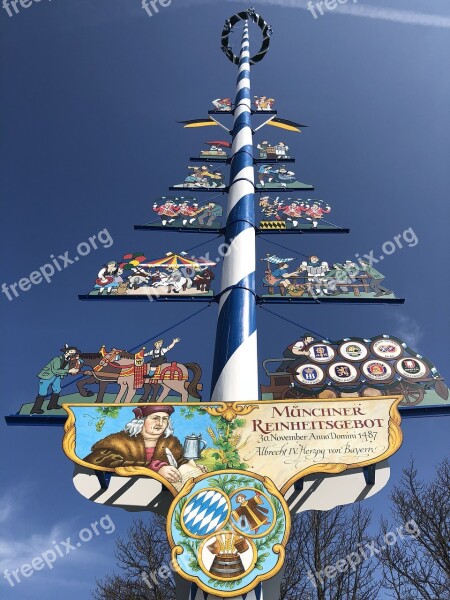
<point>235,370</point>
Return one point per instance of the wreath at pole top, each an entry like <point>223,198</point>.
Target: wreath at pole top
<point>246,15</point>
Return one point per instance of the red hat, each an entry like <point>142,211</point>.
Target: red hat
<point>145,411</point>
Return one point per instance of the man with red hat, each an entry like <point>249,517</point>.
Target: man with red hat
<point>147,441</point>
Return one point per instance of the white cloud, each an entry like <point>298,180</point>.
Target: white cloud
<point>366,11</point>
<point>408,330</point>
<point>406,17</point>
<point>6,509</point>
<point>15,552</point>
<point>19,546</point>
<point>10,503</point>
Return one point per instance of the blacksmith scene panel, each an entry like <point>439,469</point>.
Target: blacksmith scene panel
<point>354,367</point>
<point>115,375</point>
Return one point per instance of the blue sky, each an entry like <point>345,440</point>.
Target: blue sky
<point>90,95</point>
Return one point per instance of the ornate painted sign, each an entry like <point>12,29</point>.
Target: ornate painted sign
<point>228,532</point>
<point>175,443</point>
<point>293,213</point>
<point>187,212</point>
<point>228,466</point>
<point>135,275</point>
<point>206,177</point>
<point>315,277</point>
<point>311,367</point>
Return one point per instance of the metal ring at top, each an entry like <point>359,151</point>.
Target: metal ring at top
<point>247,15</point>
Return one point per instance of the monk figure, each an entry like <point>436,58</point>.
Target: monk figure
<point>252,511</point>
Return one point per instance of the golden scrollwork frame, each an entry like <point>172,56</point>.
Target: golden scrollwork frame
<point>279,549</point>
<point>229,411</point>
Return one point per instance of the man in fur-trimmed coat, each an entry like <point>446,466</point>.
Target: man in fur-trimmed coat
<point>147,441</point>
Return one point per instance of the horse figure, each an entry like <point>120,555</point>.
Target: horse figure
<point>174,282</point>
<point>121,370</point>
<point>138,278</point>
<point>204,279</point>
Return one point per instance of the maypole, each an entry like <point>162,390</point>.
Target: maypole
<point>235,370</point>
<point>229,490</point>
<point>236,338</point>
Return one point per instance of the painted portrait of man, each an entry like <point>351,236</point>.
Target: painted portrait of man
<point>148,441</point>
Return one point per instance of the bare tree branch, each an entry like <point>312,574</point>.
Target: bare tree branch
<point>316,561</point>
<point>330,555</point>
<point>143,559</point>
<point>419,567</point>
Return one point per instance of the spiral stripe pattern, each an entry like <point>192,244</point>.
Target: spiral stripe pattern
<point>235,370</point>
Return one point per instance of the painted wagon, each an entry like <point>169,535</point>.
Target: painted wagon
<point>352,367</point>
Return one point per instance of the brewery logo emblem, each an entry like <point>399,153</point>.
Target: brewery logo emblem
<point>310,374</point>
<point>377,370</point>
<point>353,351</point>
<point>387,348</point>
<point>342,372</point>
<point>322,353</point>
<point>228,531</point>
<point>205,512</point>
<point>411,367</point>
<point>296,374</point>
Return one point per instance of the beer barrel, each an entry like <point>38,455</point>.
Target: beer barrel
<point>227,566</point>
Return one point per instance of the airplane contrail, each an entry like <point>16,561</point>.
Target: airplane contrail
<point>366,11</point>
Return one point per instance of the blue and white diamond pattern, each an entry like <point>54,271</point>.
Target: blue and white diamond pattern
<point>206,512</point>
